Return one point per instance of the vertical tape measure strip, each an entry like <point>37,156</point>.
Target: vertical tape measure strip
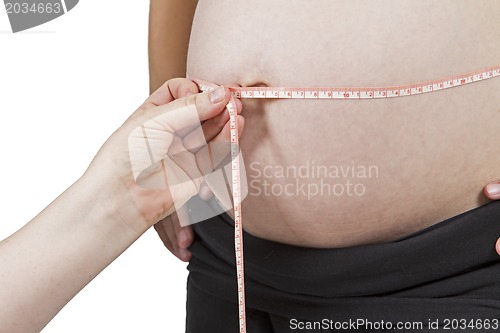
<point>238,232</point>
<point>236,194</point>
<point>312,93</point>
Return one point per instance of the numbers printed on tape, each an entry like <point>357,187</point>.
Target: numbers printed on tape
<point>363,93</point>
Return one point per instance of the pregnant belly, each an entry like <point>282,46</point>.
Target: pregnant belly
<point>342,173</point>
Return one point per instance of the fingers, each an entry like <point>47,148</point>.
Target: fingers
<point>218,149</point>
<point>154,134</point>
<point>183,113</point>
<point>492,190</point>
<point>184,235</point>
<point>175,238</point>
<point>211,103</point>
<point>181,237</point>
<point>225,133</point>
<point>211,127</point>
<point>161,228</point>
<point>172,90</point>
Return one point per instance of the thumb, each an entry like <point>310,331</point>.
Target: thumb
<point>201,107</point>
<point>156,127</point>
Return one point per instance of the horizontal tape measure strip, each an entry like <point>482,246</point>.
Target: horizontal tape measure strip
<point>358,92</point>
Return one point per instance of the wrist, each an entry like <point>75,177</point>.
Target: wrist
<point>114,200</point>
<point>125,201</point>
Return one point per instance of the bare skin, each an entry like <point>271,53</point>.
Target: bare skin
<point>424,176</point>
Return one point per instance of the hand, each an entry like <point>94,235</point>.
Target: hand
<point>165,124</point>
<point>156,160</point>
<point>176,238</point>
<point>492,191</point>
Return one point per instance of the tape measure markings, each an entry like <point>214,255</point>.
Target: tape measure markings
<point>359,92</point>
<point>238,230</point>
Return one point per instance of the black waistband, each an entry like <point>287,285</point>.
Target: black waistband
<point>451,265</point>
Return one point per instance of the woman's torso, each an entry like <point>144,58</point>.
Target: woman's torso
<point>342,173</point>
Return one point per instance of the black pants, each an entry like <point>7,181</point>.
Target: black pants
<point>447,275</point>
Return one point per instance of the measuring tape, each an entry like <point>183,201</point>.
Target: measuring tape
<point>312,93</point>
<point>355,92</point>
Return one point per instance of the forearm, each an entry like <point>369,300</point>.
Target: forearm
<point>169,30</point>
<point>60,251</point>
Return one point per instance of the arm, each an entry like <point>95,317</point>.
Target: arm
<point>169,30</point>
<point>47,262</point>
<point>61,250</point>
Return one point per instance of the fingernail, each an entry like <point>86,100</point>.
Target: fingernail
<point>217,95</point>
<point>497,246</point>
<point>493,189</point>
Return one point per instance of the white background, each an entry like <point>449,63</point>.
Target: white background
<point>65,86</point>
